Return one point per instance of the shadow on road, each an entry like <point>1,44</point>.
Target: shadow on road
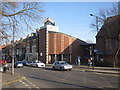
<point>60,82</point>
<point>48,68</point>
<point>53,69</point>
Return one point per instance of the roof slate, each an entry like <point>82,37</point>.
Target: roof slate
<point>111,27</point>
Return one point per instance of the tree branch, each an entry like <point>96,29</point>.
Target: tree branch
<point>15,13</point>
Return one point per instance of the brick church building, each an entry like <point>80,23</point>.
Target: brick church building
<point>54,45</point>
<point>48,44</point>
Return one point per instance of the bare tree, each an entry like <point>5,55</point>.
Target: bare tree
<point>103,14</point>
<point>113,44</point>
<point>17,18</point>
<point>24,14</point>
<point>103,18</point>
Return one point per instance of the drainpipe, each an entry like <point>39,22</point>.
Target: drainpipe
<point>61,57</point>
<point>55,57</point>
<point>70,58</point>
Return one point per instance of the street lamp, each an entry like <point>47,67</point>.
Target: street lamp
<point>96,21</point>
<point>97,18</point>
<point>97,32</point>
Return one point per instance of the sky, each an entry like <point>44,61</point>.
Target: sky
<point>73,18</point>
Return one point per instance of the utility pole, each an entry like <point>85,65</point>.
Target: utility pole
<point>13,51</point>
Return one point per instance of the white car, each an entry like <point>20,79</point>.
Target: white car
<point>1,69</point>
<point>18,64</point>
<point>37,64</point>
<point>62,65</point>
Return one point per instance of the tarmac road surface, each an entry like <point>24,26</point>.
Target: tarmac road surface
<point>49,78</point>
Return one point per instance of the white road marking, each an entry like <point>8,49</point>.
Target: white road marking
<point>31,83</point>
<point>24,84</point>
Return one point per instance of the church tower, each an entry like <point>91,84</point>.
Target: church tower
<point>49,24</point>
<point>49,21</point>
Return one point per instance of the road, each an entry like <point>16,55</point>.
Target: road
<point>49,78</point>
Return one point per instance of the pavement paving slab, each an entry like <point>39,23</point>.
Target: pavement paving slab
<point>8,78</point>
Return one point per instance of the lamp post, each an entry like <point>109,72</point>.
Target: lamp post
<point>96,21</point>
<point>97,18</point>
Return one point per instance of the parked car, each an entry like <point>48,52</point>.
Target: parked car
<point>24,62</point>
<point>62,65</point>
<point>37,64</point>
<point>9,61</point>
<point>1,69</point>
<point>28,63</point>
<point>18,64</point>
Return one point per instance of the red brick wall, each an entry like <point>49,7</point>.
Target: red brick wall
<point>58,44</point>
<point>64,44</point>
<point>51,43</point>
<point>100,43</point>
<point>42,45</point>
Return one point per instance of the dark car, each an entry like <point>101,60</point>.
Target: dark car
<point>28,63</point>
<point>24,62</point>
<point>9,61</point>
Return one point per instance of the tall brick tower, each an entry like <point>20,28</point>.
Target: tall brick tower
<point>49,25</point>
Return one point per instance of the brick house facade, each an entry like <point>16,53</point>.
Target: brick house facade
<point>31,47</point>
<point>107,41</point>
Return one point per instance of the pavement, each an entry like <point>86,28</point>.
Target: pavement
<point>107,70</point>
<point>9,78</point>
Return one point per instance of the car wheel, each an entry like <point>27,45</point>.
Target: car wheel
<point>53,67</point>
<point>70,69</point>
<point>37,66</point>
<point>61,68</point>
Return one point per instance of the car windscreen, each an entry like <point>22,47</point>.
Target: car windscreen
<point>63,63</point>
<point>18,62</point>
<point>39,62</point>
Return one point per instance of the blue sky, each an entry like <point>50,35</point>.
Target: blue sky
<point>74,18</point>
